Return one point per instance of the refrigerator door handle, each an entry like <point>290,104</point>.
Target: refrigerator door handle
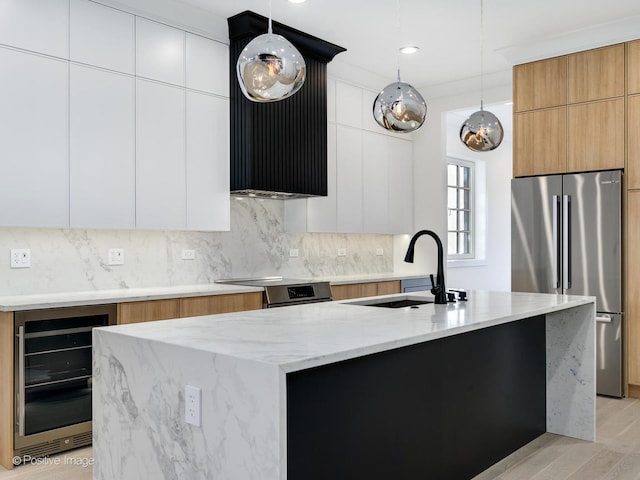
<point>604,319</point>
<point>556,241</point>
<point>566,242</point>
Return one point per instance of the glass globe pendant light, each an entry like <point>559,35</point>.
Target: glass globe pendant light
<point>482,131</point>
<point>399,107</point>
<point>270,68</point>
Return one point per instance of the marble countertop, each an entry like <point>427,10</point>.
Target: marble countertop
<point>94,297</point>
<point>10,303</point>
<point>304,336</point>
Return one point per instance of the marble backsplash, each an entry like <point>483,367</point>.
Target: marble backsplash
<point>257,245</point>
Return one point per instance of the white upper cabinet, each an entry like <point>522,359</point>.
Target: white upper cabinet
<point>322,211</point>
<point>102,36</point>
<point>102,161</point>
<point>109,120</point>
<point>368,122</point>
<point>207,64</point>
<point>400,168</point>
<point>331,100</point>
<point>160,160</point>
<point>33,140</point>
<point>348,105</point>
<point>37,25</point>
<point>375,160</point>
<point>369,175</point>
<point>349,180</point>
<point>159,52</point>
<point>207,162</point>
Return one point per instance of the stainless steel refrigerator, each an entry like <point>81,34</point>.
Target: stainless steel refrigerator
<point>566,238</point>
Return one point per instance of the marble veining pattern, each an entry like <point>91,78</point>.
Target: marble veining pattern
<point>571,372</point>
<point>240,362</point>
<point>309,335</point>
<point>142,384</point>
<point>66,260</point>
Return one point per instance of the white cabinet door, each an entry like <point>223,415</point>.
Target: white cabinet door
<point>368,122</point>
<point>349,180</point>
<point>101,36</point>
<point>322,211</point>
<point>207,162</point>
<point>160,162</point>
<point>331,100</point>
<point>159,52</point>
<point>206,63</point>
<point>400,186</point>
<point>348,105</point>
<point>33,140</point>
<point>102,161</point>
<point>38,25</point>
<point>375,171</point>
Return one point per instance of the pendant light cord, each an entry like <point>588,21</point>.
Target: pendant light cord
<point>481,55</point>
<point>399,33</point>
<point>270,29</point>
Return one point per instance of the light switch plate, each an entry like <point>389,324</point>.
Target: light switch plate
<point>379,251</point>
<point>188,254</point>
<point>116,256</point>
<point>20,258</point>
<point>342,252</point>
<point>293,252</point>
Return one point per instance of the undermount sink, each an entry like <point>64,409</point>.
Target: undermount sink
<point>398,301</point>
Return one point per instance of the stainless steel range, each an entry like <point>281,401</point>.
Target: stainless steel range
<point>280,292</point>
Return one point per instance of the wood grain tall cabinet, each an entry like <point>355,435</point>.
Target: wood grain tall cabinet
<point>633,218</point>
<point>540,117</point>
<point>580,113</point>
<point>569,113</point>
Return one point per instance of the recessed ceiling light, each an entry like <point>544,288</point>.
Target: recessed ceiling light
<point>297,1</point>
<point>408,50</point>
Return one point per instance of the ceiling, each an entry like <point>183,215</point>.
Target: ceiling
<point>447,31</point>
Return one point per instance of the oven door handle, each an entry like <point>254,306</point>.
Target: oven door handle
<point>21,398</point>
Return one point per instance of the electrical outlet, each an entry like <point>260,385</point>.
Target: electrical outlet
<point>188,254</point>
<point>20,258</point>
<point>342,252</point>
<point>116,256</point>
<point>379,251</point>
<point>192,405</point>
<point>293,252</point>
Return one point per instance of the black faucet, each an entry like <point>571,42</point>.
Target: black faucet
<point>438,288</point>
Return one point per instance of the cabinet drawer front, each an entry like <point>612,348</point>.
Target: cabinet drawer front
<point>235,302</point>
<point>596,74</point>
<point>540,84</point>
<point>540,142</point>
<point>134,312</point>
<point>596,136</point>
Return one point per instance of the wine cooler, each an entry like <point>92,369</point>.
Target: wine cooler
<point>53,377</point>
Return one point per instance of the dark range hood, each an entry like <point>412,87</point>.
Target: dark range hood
<point>279,149</point>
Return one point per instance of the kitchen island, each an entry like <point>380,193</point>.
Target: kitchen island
<point>336,390</point>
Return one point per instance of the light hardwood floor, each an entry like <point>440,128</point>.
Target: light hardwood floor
<point>614,456</point>
<point>71,465</point>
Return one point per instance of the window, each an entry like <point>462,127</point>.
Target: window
<point>460,209</point>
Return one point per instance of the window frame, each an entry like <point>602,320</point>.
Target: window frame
<point>459,162</point>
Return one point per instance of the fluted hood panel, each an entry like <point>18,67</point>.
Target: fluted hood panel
<point>279,149</point>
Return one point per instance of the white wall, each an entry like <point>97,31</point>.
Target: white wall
<point>430,153</point>
<point>493,270</point>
